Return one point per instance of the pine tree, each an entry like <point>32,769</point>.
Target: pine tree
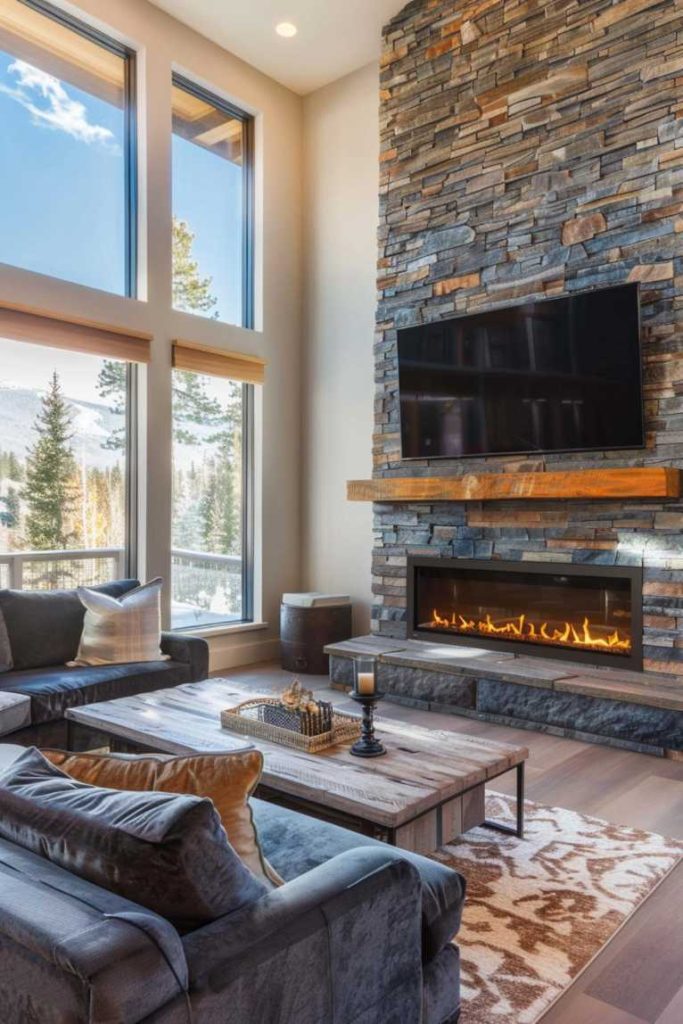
<point>51,486</point>
<point>14,468</point>
<point>191,292</point>
<point>13,506</point>
<point>111,384</point>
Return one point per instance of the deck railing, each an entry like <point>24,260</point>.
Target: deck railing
<point>50,570</point>
<point>205,586</point>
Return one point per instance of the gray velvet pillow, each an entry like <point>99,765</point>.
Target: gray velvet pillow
<point>5,649</point>
<point>45,626</point>
<point>166,852</point>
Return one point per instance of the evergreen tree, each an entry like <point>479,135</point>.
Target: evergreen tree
<point>111,384</point>
<point>13,506</point>
<point>191,291</point>
<point>14,468</point>
<point>51,486</point>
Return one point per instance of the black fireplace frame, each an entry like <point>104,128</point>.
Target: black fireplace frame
<point>632,661</point>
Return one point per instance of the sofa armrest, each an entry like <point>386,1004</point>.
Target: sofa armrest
<point>72,951</point>
<point>190,650</point>
<point>340,943</point>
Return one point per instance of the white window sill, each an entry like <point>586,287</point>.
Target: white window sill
<point>225,629</point>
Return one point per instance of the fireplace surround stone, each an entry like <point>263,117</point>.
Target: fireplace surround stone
<point>512,170</point>
<point>636,710</point>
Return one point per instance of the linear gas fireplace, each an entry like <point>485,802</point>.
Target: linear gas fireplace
<point>586,613</point>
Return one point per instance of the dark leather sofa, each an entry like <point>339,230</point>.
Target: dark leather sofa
<point>44,630</point>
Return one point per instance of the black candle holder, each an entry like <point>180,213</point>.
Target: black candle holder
<point>368,745</point>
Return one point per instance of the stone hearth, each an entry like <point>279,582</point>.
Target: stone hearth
<point>637,710</point>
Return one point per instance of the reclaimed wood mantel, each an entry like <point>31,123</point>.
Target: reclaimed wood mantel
<point>590,484</point>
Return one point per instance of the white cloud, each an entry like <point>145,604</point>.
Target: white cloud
<point>58,110</point>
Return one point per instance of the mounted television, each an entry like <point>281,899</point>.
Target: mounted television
<point>550,376</point>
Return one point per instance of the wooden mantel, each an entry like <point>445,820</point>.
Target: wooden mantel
<point>591,484</point>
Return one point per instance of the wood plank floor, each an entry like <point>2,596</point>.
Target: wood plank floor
<point>638,978</point>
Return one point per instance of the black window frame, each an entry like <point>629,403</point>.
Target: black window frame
<point>180,81</point>
<point>207,96</point>
<point>131,198</point>
<point>129,58</point>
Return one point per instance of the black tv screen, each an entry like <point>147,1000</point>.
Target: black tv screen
<point>556,375</point>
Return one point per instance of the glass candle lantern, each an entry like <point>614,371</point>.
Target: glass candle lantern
<point>364,680</point>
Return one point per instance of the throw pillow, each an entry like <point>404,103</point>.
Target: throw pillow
<point>120,630</point>
<point>5,649</point>
<point>45,626</point>
<point>227,779</point>
<point>165,852</point>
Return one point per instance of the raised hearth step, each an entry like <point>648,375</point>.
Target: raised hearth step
<point>623,708</point>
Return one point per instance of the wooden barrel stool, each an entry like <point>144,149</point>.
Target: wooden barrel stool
<point>304,632</point>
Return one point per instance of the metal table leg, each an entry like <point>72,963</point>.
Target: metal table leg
<point>518,828</point>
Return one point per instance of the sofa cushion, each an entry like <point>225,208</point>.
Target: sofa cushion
<point>45,626</point>
<point>227,779</point>
<point>53,690</point>
<point>168,853</point>
<point>15,712</point>
<point>295,843</point>
<point>122,629</point>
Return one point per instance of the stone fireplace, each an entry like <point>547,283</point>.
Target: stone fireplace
<point>531,150</point>
<point>534,150</point>
<point>588,614</point>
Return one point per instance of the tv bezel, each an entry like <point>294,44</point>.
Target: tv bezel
<point>532,451</point>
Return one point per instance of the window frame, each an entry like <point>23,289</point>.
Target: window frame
<point>248,520</point>
<point>180,81</point>
<point>131,196</point>
<point>131,558</point>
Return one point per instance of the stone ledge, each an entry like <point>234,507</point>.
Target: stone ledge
<point>647,689</point>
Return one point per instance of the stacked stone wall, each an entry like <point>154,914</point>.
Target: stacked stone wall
<point>533,149</point>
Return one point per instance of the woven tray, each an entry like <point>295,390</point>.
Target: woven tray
<point>244,719</point>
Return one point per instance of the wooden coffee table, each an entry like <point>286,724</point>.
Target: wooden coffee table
<point>428,789</point>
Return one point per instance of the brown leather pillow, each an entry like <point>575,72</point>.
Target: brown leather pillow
<point>228,779</point>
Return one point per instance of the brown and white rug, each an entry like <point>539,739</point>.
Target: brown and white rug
<point>539,910</point>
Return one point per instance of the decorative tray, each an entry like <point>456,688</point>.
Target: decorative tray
<point>267,719</point>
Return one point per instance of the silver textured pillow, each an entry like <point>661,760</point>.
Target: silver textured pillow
<point>5,648</point>
<point>120,630</point>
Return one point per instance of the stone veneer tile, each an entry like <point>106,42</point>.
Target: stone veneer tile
<point>535,151</point>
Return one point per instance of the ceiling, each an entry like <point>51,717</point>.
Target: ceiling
<point>335,36</point>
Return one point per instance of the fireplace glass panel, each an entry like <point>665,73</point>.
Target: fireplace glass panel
<point>553,610</point>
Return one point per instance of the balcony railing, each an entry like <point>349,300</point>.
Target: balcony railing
<point>51,570</point>
<point>207,588</point>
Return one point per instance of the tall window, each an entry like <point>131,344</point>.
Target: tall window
<point>67,161</point>
<point>63,467</point>
<point>212,207</point>
<point>211,501</point>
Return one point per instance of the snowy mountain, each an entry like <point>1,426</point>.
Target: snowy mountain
<point>93,423</point>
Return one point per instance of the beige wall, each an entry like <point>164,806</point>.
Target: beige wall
<point>163,44</point>
<point>341,150</point>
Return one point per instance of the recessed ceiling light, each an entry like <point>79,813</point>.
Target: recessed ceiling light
<point>286,29</point>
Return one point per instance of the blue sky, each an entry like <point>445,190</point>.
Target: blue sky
<point>62,197</point>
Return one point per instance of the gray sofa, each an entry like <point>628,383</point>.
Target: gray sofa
<point>359,934</point>
<point>44,630</point>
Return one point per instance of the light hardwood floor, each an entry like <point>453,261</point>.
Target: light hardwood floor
<point>638,977</point>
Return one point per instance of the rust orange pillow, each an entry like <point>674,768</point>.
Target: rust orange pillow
<point>227,779</point>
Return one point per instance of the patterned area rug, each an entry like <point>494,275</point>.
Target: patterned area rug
<point>539,910</point>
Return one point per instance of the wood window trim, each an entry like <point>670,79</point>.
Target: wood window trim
<point>218,362</point>
<point>76,334</point>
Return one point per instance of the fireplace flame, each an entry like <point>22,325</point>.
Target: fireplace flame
<point>566,634</point>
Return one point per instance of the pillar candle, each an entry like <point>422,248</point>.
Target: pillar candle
<point>366,683</point>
